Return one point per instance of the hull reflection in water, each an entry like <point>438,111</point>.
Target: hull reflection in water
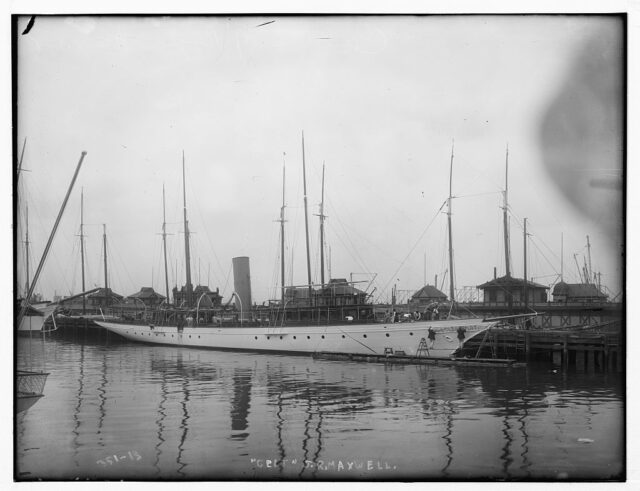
<point>134,411</point>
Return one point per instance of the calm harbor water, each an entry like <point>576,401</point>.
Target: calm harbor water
<point>116,410</point>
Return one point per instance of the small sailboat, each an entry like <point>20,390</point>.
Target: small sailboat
<point>29,388</point>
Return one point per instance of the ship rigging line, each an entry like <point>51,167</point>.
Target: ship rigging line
<point>357,341</point>
<point>477,194</point>
<point>384,289</point>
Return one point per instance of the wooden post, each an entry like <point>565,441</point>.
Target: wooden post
<point>580,360</point>
<point>565,352</point>
<point>591,360</point>
<point>556,355</point>
<point>494,350</point>
<point>527,346</point>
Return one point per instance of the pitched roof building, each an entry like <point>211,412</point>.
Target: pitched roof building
<point>339,292</point>
<point>427,295</point>
<point>148,296</point>
<point>577,292</point>
<point>104,297</point>
<point>201,294</point>
<point>508,290</point>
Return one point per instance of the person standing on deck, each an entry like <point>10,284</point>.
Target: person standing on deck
<point>461,336</point>
<point>432,337</point>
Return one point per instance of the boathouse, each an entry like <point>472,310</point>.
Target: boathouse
<point>577,293</point>
<point>104,297</point>
<point>148,296</point>
<point>509,291</point>
<point>426,296</point>
<point>338,293</point>
<point>201,293</point>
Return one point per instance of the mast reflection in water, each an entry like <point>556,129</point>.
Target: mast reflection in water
<point>132,411</point>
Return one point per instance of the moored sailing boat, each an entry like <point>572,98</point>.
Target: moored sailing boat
<point>30,384</point>
<point>34,314</point>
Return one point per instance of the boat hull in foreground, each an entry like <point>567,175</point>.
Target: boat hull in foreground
<point>34,320</point>
<point>364,339</point>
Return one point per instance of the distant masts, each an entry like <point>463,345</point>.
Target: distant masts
<point>84,299</point>
<point>26,247</point>
<point>322,217</point>
<point>505,216</point>
<point>186,237</point>
<point>451,285</point>
<point>575,258</point>
<point>282,220</point>
<point>562,257</point>
<point>104,240</point>
<point>52,235</point>
<point>164,246</point>
<point>526,299</point>
<point>306,217</point>
<point>590,275</point>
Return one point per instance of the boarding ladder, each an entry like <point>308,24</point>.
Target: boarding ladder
<point>484,340</point>
<point>423,350</point>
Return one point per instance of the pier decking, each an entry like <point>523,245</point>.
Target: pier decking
<point>582,349</point>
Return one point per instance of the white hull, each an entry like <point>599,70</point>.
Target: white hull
<point>35,323</point>
<point>364,339</point>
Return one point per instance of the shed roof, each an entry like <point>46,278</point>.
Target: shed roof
<point>578,290</point>
<point>508,282</point>
<point>106,293</point>
<point>146,292</point>
<point>428,291</point>
<point>340,286</point>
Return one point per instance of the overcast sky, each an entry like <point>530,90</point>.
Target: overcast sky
<point>380,101</point>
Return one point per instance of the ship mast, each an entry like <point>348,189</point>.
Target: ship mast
<point>186,238</point>
<point>282,220</point>
<point>20,162</point>
<point>26,239</point>
<point>26,247</point>
<point>84,300</point>
<point>526,299</point>
<point>306,216</point>
<point>322,217</point>
<point>104,240</point>
<point>505,217</point>
<point>589,256</point>
<point>164,246</point>
<point>53,233</point>
<point>562,257</point>
<point>575,258</point>
<point>451,286</point>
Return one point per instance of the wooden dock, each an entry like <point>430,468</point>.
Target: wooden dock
<point>581,349</point>
<point>420,360</point>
